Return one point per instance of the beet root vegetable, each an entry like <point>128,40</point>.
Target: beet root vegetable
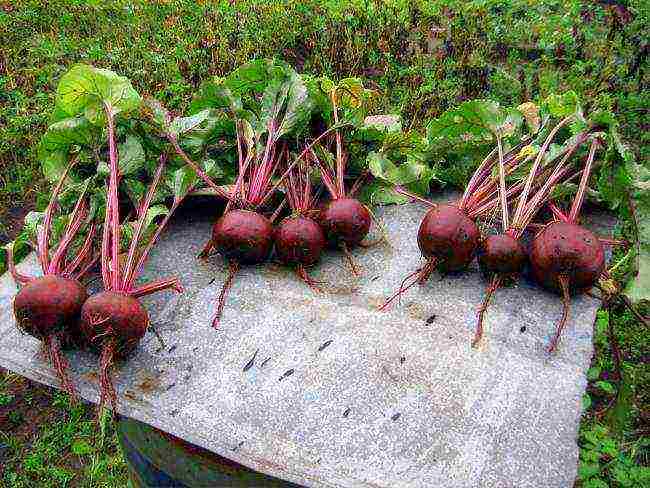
<point>243,236</point>
<point>345,221</point>
<point>502,256</point>
<point>569,259</point>
<point>566,257</point>
<point>300,241</point>
<point>448,237</point>
<point>48,307</point>
<point>113,322</point>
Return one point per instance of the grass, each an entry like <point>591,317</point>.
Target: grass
<point>423,56</point>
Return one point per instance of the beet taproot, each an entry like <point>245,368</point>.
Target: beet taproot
<point>244,236</point>
<point>449,236</point>
<point>299,240</point>
<point>345,221</point>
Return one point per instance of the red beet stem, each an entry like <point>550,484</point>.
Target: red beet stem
<point>129,268</point>
<point>582,188</point>
<point>489,292</point>
<point>43,250</point>
<point>420,275</point>
<point>113,217</point>
<point>233,267</point>
<point>179,150</point>
<point>18,277</point>
<point>403,191</point>
<point>563,281</point>
<point>84,255</point>
<point>107,390</point>
<point>533,171</point>
<point>159,285</point>
<point>52,346</point>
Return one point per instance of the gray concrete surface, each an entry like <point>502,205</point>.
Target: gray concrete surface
<point>324,390</point>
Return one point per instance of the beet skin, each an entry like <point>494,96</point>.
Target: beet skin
<point>502,254</point>
<point>243,236</point>
<point>299,241</point>
<point>49,305</point>
<point>448,235</point>
<point>114,316</point>
<point>565,249</point>
<point>345,221</point>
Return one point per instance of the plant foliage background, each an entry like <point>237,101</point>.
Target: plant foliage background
<point>422,56</point>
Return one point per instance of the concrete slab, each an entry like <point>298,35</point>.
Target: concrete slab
<point>323,390</point>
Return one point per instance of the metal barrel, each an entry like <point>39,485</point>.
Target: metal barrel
<point>157,459</point>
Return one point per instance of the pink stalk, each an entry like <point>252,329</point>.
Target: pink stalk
<point>83,253</point>
<point>502,186</point>
<point>128,269</point>
<point>195,167</point>
<point>112,197</point>
<point>538,159</point>
<point>580,196</point>
<point>413,196</point>
<point>18,277</point>
<point>44,235</point>
<point>70,232</point>
<point>154,286</point>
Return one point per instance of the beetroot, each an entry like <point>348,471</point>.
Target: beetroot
<point>345,221</point>
<point>243,236</point>
<point>113,322</point>
<point>449,237</point>
<point>299,240</point>
<point>566,257</point>
<point>49,307</point>
<point>502,254</point>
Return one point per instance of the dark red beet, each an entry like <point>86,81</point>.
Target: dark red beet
<point>566,258</point>
<point>345,221</point>
<point>114,323</point>
<point>565,249</point>
<point>299,241</point>
<point>449,236</point>
<point>49,305</point>
<point>243,236</point>
<point>48,308</point>
<point>114,316</point>
<point>501,254</point>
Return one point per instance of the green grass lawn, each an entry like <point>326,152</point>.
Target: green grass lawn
<point>423,56</point>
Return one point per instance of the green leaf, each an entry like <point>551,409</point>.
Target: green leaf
<point>285,100</point>
<point>86,90</point>
<point>215,94</point>
<point>54,164</point>
<point>561,106</point>
<point>588,470</point>
<point>132,156</point>
<point>65,133</point>
<point>586,401</point>
<point>80,447</point>
<point>593,373</point>
<point>184,179</point>
<point>605,386</point>
<point>153,212</point>
<point>182,125</point>
<point>475,120</point>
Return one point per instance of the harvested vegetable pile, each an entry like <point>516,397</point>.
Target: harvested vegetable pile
<point>297,162</point>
